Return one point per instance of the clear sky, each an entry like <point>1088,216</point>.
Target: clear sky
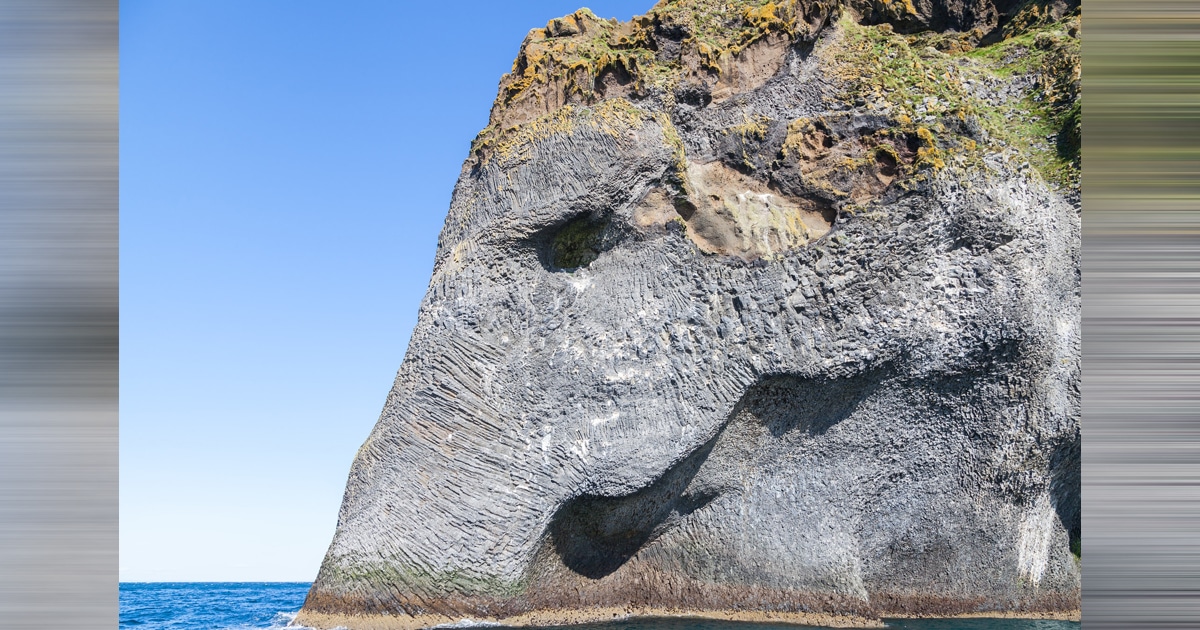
<point>285,171</point>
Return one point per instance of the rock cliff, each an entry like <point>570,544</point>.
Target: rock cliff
<point>744,308</point>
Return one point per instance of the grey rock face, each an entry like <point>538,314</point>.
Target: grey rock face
<point>712,384</point>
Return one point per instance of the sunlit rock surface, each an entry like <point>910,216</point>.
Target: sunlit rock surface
<point>742,307</point>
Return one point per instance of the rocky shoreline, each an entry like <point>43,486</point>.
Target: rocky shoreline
<point>562,617</point>
<point>1066,615</point>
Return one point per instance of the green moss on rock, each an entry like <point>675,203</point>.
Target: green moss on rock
<point>917,84</point>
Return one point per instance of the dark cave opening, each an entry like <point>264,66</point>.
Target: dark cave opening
<point>595,535</point>
<point>577,243</point>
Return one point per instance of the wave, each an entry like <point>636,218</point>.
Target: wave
<point>281,620</point>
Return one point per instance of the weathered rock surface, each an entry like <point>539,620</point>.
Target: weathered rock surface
<point>736,327</point>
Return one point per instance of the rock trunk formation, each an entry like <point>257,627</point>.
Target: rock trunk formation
<point>743,308</point>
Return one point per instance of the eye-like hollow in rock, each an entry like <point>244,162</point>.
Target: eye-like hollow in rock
<point>579,242</point>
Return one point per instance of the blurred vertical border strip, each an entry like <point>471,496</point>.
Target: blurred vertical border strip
<point>1141,314</point>
<point>58,313</point>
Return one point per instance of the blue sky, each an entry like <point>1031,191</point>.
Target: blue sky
<point>285,171</point>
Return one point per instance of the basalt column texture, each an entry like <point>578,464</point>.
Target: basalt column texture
<point>744,309</point>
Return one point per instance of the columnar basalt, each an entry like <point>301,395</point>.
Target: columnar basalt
<point>743,308</point>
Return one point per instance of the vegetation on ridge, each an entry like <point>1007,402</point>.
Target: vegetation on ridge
<point>1019,83</point>
<point>579,48</point>
<point>574,53</point>
<point>1022,91</point>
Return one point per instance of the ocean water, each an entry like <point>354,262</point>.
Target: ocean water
<point>265,605</point>
<point>209,605</point>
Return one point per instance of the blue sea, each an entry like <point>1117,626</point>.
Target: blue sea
<point>263,605</point>
<point>209,605</point>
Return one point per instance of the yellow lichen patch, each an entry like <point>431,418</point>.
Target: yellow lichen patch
<point>1059,79</point>
<point>614,117</point>
<point>772,17</point>
<point>887,163</point>
<point>856,168</point>
<point>795,135</point>
<point>709,57</point>
<point>566,61</point>
<point>886,150</point>
<point>928,153</point>
<point>914,84</point>
<point>927,156</point>
<point>937,80</point>
<point>926,137</point>
<point>760,16</point>
<point>804,140</point>
<point>729,26</point>
<point>1032,16</point>
<point>751,127</point>
<point>678,175</point>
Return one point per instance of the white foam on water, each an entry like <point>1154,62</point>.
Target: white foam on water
<point>282,619</point>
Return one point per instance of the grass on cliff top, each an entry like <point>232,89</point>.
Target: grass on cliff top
<point>576,50</point>
<point>908,78</point>
<point>918,80</point>
<point>722,26</point>
<point>1045,124</point>
<point>579,48</point>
